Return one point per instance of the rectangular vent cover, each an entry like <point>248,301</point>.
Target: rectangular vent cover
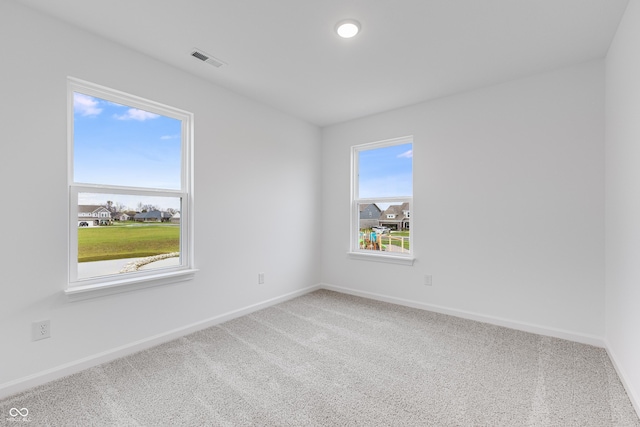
<point>205,57</point>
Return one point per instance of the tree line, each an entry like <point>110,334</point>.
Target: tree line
<point>114,207</point>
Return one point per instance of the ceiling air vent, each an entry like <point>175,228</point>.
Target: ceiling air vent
<point>205,57</point>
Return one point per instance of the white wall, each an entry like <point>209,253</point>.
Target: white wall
<point>252,165</point>
<point>508,210</point>
<point>508,214</point>
<point>623,200</point>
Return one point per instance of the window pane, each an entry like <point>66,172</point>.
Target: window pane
<point>386,172</point>
<point>121,233</point>
<point>115,144</point>
<point>384,227</point>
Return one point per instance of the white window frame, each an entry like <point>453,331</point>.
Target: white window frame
<point>104,285</point>
<point>365,254</point>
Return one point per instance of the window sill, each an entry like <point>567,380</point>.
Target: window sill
<point>379,257</point>
<point>111,287</point>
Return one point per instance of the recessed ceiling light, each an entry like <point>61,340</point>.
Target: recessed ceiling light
<point>347,28</point>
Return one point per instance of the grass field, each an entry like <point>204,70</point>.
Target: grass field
<point>398,242</point>
<point>126,241</point>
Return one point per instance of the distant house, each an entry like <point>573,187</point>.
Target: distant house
<point>152,216</point>
<point>175,218</point>
<point>121,216</point>
<point>407,216</point>
<point>369,215</point>
<point>396,217</point>
<point>94,214</point>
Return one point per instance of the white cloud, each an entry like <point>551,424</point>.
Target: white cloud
<point>135,114</point>
<point>85,105</point>
<point>407,154</point>
<point>165,137</point>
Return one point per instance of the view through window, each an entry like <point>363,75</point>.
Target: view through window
<point>129,187</point>
<point>382,196</point>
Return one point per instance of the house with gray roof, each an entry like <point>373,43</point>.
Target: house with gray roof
<point>152,216</point>
<point>369,215</point>
<point>396,217</point>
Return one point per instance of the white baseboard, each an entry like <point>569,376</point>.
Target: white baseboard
<point>22,384</point>
<point>634,396</point>
<point>521,326</point>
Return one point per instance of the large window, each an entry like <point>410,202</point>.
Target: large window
<point>382,194</point>
<point>130,197</point>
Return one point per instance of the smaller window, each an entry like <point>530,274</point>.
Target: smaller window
<point>382,180</point>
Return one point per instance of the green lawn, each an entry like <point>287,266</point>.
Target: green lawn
<point>396,242</point>
<point>126,241</point>
<point>400,233</point>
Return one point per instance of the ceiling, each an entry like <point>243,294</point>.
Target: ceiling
<point>285,53</point>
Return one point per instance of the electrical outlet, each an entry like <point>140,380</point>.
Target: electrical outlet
<point>40,330</point>
<point>428,281</point>
<point>260,278</point>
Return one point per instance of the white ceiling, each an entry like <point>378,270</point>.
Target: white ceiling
<point>285,52</point>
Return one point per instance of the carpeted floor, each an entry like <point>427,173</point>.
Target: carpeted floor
<point>338,360</point>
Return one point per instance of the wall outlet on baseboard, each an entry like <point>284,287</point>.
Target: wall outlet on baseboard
<point>40,330</point>
<point>260,278</point>
<point>428,280</point>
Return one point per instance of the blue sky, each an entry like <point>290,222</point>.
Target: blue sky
<point>386,171</point>
<point>118,145</point>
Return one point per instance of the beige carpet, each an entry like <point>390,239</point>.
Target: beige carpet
<point>338,360</point>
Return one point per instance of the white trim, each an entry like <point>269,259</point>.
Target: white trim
<point>110,287</point>
<point>634,396</point>
<point>498,321</point>
<point>24,383</point>
<point>384,143</point>
<point>379,256</point>
<point>21,384</point>
<point>136,191</point>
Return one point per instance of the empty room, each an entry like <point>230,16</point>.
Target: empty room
<point>289,212</point>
